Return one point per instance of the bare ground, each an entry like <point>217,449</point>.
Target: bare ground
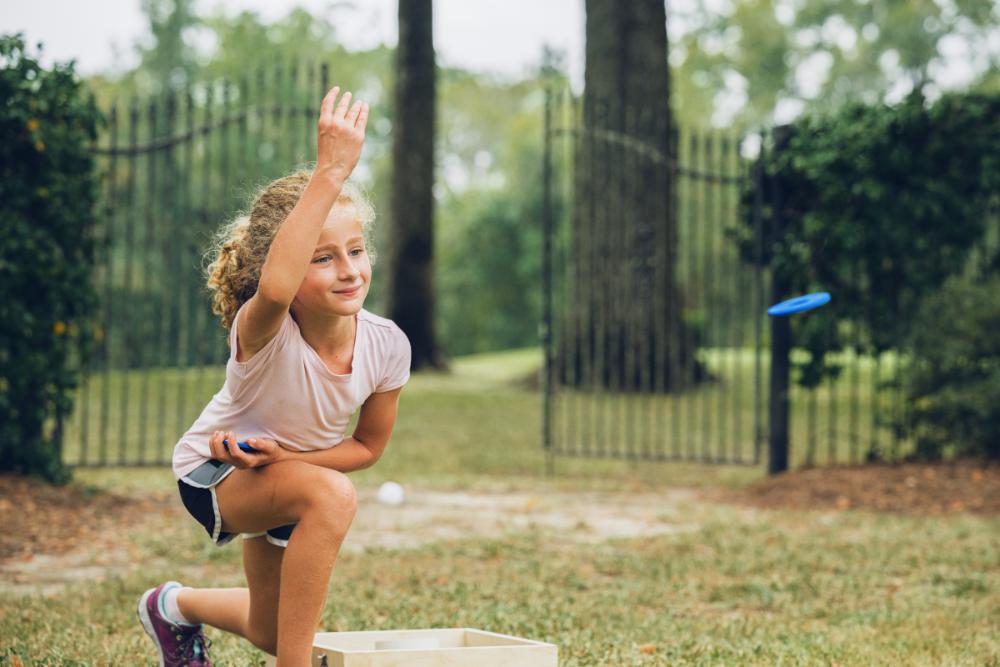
<point>911,488</point>
<point>54,536</point>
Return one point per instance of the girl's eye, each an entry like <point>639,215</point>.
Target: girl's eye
<point>355,252</point>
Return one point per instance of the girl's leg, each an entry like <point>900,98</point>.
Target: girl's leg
<point>322,502</point>
<point>222,608</point>
<point>262,563</point>
<point>249,612</point>
<point>305,577</point>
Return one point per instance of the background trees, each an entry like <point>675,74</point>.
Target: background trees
<point>488,145</point>
<point>764,61</point>
<point>411,302</point>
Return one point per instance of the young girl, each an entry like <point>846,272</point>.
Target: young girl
<point>289,283</point>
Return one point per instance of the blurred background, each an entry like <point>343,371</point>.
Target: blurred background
<point>584,209</point>
<point>601,184</point>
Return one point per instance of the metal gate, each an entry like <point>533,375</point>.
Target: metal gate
<point>614,386</point>
<point>660,362</point>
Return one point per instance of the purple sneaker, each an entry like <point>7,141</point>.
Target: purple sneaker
<point>179,645</point>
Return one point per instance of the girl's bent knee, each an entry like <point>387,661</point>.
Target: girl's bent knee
<point>333,493</point>
<point>309,488</point>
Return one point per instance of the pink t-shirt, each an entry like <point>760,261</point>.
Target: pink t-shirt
<point>286,392</point>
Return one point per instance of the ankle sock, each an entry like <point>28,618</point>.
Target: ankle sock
<point>169,608</point>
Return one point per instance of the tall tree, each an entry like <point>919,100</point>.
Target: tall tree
<point>411,243</point>
<point>628,332</point>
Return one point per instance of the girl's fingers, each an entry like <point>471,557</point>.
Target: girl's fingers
<point>352,115</point>
<point>217,449</point>
<point>234,448</point>
<point>341,109</point>
<point>238,457</point>
<point>224,453</point>
<point>231,449</point>
<point>362,119</point>
<point>243,459</point>
<point>326,109</point>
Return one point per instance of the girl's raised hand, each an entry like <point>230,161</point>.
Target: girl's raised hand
<point>341,134</point>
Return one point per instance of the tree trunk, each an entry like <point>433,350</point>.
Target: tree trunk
<point>411,241</point>
<point>627,333</point>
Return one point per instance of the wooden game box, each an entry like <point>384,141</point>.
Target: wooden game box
<point>437,647</point>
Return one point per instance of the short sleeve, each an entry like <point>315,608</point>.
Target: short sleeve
<point>242,369</point>
<point>397,369</point>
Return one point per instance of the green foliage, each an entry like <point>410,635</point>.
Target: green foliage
<point>953,384</point>
<point>877,205</point>
<point>488,253</point>
<point>750,43</point>
<point>168,60</point>
<point>47,199</point>
<point>490,270</point>
<point>819,53</point>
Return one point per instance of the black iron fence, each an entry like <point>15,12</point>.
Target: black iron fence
<point>652,327</point>
<point>699,384</point>
<point>173,169</point>
<point>655,338</point>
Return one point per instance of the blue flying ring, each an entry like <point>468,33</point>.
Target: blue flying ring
<point>245,446</point>
<point>799,304</point>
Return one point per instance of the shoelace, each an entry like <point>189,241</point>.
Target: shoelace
<point>196,645</point>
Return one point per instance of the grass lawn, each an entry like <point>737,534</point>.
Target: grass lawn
<point>745,587</point>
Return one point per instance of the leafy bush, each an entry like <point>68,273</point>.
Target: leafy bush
<point>953,383</point>
<point>878,205</point>
<point>48,192</point>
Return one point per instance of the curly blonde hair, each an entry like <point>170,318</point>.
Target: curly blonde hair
<point>239,247</point>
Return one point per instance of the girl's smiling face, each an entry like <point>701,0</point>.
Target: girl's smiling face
<point>339,273</point>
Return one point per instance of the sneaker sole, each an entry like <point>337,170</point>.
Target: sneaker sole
<point>147,624</point>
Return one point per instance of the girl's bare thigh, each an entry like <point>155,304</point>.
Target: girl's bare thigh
<point>256,499</point>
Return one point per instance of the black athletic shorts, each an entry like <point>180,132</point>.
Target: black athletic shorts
<point>197,490</point>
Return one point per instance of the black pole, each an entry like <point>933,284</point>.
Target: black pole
<point>546,325</point>
<point>781,331</point>
<point>781,339</point>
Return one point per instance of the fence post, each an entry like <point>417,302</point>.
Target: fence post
<point>545,332</point>
<point>781,331</point>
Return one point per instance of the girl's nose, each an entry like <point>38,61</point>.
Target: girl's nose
<point>348,270</point>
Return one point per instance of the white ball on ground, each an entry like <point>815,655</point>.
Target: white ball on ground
<point>391,493</point>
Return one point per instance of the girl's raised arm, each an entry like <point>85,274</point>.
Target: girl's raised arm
<point>341,135</point>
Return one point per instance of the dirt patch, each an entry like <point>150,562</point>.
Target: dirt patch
<point>575,517</point>
<point>64,535</point>
<point>41,518</point>
<point>964,486</point>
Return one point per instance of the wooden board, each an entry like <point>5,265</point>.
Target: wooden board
<point>458,647</point>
